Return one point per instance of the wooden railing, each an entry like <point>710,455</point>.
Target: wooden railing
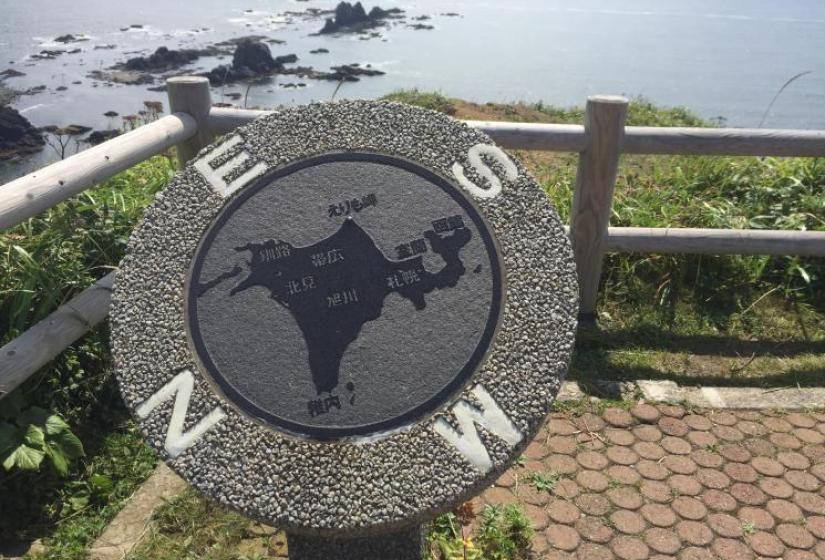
<point>599,141</point>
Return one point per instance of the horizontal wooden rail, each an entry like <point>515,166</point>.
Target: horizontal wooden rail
<point>723,141</point>
<point>23,356</point>
<point>716,241</point>
<point>29,195</point>
<point>636,140</point>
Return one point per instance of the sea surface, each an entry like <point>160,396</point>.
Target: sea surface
<point>724,59</point>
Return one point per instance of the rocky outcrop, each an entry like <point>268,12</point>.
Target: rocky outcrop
<point>353,18</point>
<point>162,59</point>
<point>252,59</point>
<point>69,38</point>
<point>17,135</point>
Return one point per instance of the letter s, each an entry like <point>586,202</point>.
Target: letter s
<point>474,155</point>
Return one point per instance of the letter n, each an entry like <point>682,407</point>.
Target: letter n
<point>467,441</point>
<point>215,176</point>
<point>180,387</point>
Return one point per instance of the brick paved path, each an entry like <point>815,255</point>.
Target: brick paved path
<point>663,482</point>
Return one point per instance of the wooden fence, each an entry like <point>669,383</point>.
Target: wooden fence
<point>600,140</point>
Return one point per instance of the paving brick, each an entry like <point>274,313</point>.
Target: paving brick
<point>562,537</point>
<point>696,553</point>
<point>507,480</point>
<point>593,529</point>
<point>645,413</point>
<point>819,471</point>
<point>766,544</point>
<point>689,508</point>
<point>536,450</point>
<point>751,428</point>
<point>593,504</point>
<point>728,433</point>
<point>565,445</point>
<point>768,466</point>
<point>735,452</point>
<point>679,464</point>
<point>697,422</point>
<point>589,422</point>
<point>725,525</point>
<point>658,515</point>
<point>563,511</point>
<point>748,494</point>
<point>592,481</point>
<point>816,453</point>
<point>617,436</point>
<point>623,474</point>
<point>684,485</point>
<point>662,540</point>
<point>731,549</point>
<point>646,432</point>
<point>816,525</point>
<point>630,548</point>
<point>712,478</point>
<point>537,515</point>
<point>810,503</point>
<point>784,511</point>
<point>673,426</point>
<point>760,518</point>
<point>656,491</point>
<point>807,435</point>
<point>566,488</point>
<point>777,424</point>
<point>622,455</point>
<point>776,487</point>
<point>708,459</point>
<point>794,535</point>
<point>694,532</point>
<point>530,494</point>
<point>785,441</point>
<point>674,410</point>
<point>793,460</point>
<point>803,481</point>
<point>800,420</point>
<point>741,472</point>
<point>675,445</point>
<point>499,496</point>
<point>795,554</point>
<point>723,418</point>
<point>625,497</point>
<point>618,418</point>
<point>628,522</point>
<point>562,427</point>
<point>760,447</point>
<point>649,450</point>
<point>589,442</point>
<point>593,460</point>
<point>560,464</point>
<point>652,470</point>
<point>717,500</point>
<point>702,439</point>
<point>592,551</point>
<point>820,550</point>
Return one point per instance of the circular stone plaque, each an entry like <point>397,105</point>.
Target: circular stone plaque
<point>345,317</point>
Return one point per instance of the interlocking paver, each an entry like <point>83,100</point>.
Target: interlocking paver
<point>657,482</point>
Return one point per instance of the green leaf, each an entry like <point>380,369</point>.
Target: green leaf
<point>101,484</point>
<point>59,460</point>
<point>8,436</point>
<point>68,444</point>
<point>55,424</point>
<point>35,437</point>
<point>25,458</point>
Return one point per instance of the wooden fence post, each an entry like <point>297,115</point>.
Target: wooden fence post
<point>593,198</point>
<point>190,94</point>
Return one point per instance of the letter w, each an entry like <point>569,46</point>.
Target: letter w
<point>466,441</point>
<point>180,387</point>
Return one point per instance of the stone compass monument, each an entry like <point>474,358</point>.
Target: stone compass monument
<point>344,319</point>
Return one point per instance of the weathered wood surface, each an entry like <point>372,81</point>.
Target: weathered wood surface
<point>593,195</point>
<point>29,195</point>
<point>716,241</point>
<point>723,141</point>
<point>23,356</point>
<point>190,94</point>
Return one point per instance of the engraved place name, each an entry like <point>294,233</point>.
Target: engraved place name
<point>345,207</point>
<point>216,175</point>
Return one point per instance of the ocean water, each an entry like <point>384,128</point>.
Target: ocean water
<point>721,58</point>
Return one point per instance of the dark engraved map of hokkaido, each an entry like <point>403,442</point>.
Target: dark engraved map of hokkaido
<point>353,292</point>
<point>335,286</point>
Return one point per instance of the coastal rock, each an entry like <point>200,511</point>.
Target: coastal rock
<point>10,73</point>
<point>420,26</point>
<point>17,135</point>
<point>161,60</point>
<point>353,18</point>
<point>69,38</point>
<point>319,51</point>
<point>110,114</point>
<point>252,59</point>
<point>127,77</point>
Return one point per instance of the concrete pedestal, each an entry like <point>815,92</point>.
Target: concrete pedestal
<point>405,544</point>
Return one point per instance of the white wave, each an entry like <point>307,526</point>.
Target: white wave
<point>32,108</point>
